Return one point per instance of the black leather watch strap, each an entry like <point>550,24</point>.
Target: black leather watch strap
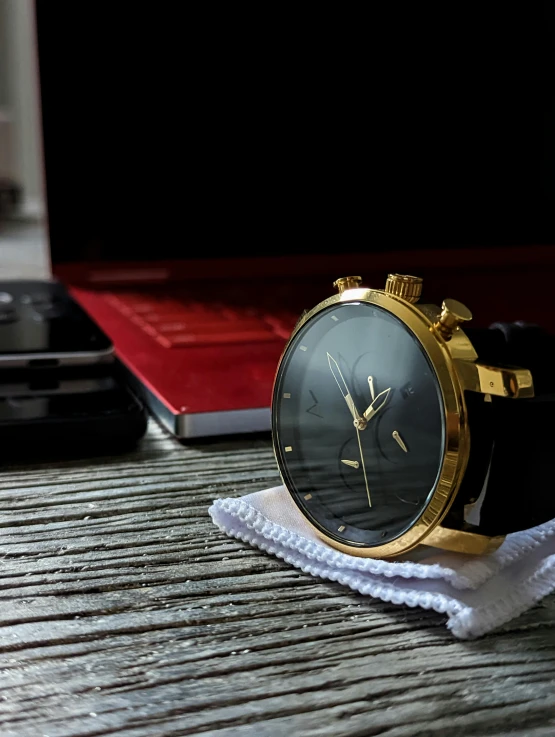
<point>520,492</point>
<point>517,344</point>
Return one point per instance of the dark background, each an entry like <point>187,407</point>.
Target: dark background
<point>174,132</point>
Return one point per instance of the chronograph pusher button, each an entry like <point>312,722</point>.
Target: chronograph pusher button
<point>347,282</point>
<point>453,314</point>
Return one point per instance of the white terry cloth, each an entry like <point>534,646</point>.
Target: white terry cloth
<point>476,593</point>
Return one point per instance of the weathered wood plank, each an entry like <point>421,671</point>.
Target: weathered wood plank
<point>124,611</point>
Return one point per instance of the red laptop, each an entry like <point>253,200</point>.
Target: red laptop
<point>202,337</point>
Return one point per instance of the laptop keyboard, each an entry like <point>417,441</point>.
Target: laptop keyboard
<point>176,321</point>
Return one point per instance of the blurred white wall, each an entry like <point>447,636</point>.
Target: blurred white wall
<point>20,142</point>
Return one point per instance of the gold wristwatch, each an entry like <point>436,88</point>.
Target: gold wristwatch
<point>394,427</point>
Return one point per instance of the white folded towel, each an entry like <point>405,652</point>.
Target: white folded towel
<point>476,593</point>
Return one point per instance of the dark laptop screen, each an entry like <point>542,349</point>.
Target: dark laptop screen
<point>170,135</point>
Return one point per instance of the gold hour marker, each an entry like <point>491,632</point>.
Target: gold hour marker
<point>333,317</point>
<point>308,497</point>
<point>399,440</point>
<point>303,348</point>
<point>341,528</point>
<point>353,464</point>
<point>288,448</point>
<point>287,395</point>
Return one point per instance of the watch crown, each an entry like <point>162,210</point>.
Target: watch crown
<point>347,282</point>
<point>453,314</point>
<point>405,286</point>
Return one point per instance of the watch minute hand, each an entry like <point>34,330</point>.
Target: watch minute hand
<point>377,404</point>
<point>343,388</point>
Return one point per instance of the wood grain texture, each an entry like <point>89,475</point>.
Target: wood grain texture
<point>124,611</point>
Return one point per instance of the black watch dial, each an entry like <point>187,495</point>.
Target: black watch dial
<point>358,424</point>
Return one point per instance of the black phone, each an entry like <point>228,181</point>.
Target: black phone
<point>55,413</point>
<point>42,326</point>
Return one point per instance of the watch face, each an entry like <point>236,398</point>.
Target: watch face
<point>359,424</point>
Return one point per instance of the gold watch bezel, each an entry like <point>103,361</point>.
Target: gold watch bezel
<point>457,436</point>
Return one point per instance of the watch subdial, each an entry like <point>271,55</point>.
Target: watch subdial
<point>353,495</point>
<point>395,447</point>
<point>349,465</point>
<point>392,443</point>
<point>352,472</point>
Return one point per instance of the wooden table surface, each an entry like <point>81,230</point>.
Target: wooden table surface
<point>125,612</point>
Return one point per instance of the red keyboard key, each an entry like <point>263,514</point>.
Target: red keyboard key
<point>179,340</point>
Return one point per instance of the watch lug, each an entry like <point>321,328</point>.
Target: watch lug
<point>459,541</point>
<point>499,381</point>
<point>460,347</point>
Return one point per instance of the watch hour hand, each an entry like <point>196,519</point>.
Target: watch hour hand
<point>377,404</point>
